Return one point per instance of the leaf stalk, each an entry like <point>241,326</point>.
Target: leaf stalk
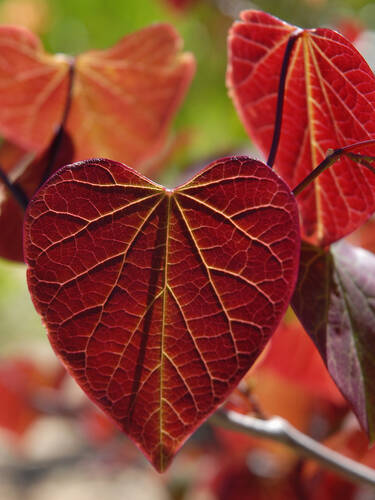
<point>280,97</point>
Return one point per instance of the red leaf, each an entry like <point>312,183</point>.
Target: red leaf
<point>11,214</point>
<point>351,28</point>
<point>28,174</point>
<point>20,383</point>
<point>144,78</point>
<point>306,369</point>
<point>329,103</point>
<point>334,302</point>
<point>158,301</point>
<point>238,482</point>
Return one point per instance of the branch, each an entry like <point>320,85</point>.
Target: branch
<point>278,429</point>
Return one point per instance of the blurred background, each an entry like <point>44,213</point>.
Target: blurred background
<point>53,442</point>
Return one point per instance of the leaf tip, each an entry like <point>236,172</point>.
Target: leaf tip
<point>162,459</point>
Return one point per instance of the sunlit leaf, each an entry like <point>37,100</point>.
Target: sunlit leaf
<point>334,300</point>
<point>123,98</point>
<point>329,103</point>
<point>33,88</point>
<point>158,301</point>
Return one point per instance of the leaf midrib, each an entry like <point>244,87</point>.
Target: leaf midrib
<point>162,341</point>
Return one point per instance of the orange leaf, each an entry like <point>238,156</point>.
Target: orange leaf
<point>123,98</point>
<point>33,88</point>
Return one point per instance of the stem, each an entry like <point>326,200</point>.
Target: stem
<point>56,142</point>
<point>278,429</point>
<point>335,156</point>
<point>326,163</point>
<point>16,191</point>
<point>280,97</point>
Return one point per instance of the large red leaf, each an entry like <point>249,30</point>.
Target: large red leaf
<point>334,300</point>
<point>123,98</point>
<point>158,301</point>
<point>329,103</point>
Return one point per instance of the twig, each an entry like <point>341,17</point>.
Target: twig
<point>335,156</point>
<point>278,429</point>
<point>280,97</point>
<point>326,163</point>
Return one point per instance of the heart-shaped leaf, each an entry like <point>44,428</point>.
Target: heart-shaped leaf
<point>158,301</point>
<point>144,78</point>
<point>334,300</point>
<point>329,103</point>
